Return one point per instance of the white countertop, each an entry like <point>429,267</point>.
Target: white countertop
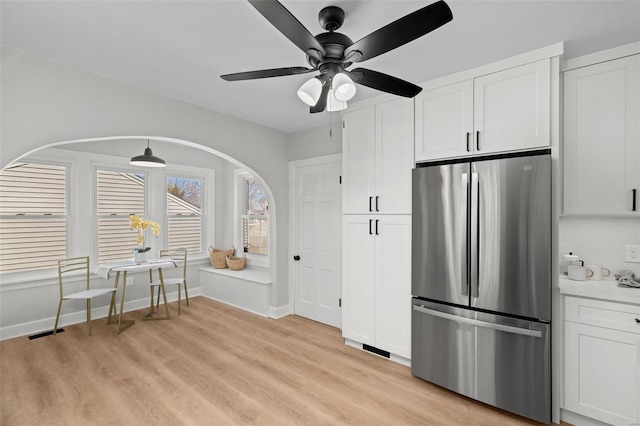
<point>606,289</point>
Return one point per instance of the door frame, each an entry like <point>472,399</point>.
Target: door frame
<point>314,161</point>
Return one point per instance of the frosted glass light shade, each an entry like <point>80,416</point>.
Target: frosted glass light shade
<point>310,91</point>
<point>343,87</point>
<point>333,104</point>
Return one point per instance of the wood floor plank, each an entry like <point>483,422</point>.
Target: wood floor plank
<point>216,364</point>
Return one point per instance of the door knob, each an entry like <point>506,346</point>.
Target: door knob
<point>296,257</point>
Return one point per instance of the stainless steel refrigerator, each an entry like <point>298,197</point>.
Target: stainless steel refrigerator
<point>481,279</point>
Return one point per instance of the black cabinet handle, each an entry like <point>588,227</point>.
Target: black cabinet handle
<point>377,198</point>
<point>370,200</point>
<point>370,231</point>
<point>377,227</point>
<point>633,200</point>
<point>468,147</point>
<point>477,140</point>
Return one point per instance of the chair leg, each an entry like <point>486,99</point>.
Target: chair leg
<point>158,301</point>
<point>89,315</point>
<point>179,299</point>
<point>186,294</point>
<point>151,307</point>
<point>55,327</point>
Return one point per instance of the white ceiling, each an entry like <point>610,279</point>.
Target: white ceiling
<point>180,48</point>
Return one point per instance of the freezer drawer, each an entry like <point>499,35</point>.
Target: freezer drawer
<point>498,360</point>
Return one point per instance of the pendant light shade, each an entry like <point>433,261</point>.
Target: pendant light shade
<point>310,91</point>
<point>343,87</point>
<point>147,159</point>
<point>333,104</point>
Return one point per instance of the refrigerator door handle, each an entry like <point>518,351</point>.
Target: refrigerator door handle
<point>475,234</point>
<point>478,323</point>
<point>464,236</point>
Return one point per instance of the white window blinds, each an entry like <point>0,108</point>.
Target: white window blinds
<point>33,216</point>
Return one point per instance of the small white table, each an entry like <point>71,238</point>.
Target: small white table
<point>127,267</point>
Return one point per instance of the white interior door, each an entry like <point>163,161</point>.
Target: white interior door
<point>317,239</point>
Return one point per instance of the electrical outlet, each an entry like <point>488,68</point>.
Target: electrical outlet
<point>632,253</point>
<point>129,281</point>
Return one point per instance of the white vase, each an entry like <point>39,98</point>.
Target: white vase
<point>140,256</point>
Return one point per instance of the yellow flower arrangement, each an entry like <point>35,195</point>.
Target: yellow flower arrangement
<point>140,225</point>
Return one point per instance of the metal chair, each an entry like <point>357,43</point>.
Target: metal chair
<point>68,267</point>
<point>180,256</point>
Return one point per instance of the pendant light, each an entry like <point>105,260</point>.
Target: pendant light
<point>147,159</point>
<point>310,91</point>
<point>343,87</point>
<point>333,104</point>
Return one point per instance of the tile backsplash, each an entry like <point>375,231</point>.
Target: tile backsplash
<point>600,240</point>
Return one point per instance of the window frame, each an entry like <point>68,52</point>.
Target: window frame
<point>94,198</point>
<point>240,209</point>
<point>203,208</point>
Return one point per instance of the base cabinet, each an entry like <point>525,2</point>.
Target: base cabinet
<point>602,360</point>
<point>376,291</point>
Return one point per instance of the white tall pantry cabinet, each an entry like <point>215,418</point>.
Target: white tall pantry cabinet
<point>376,264</point>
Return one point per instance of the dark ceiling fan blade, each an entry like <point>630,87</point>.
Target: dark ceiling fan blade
<point>288,25</point>
<point>386,83</point>
<point>322,101</point>
<point>402,31</point>
<point>274,72</point>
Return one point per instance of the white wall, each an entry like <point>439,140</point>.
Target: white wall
<point>43,102</point>
<point>317,142</point>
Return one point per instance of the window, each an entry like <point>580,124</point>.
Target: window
<point>255,220</point>
<point>33,216</point>
<point>184,213</point>
<point>118,195</point>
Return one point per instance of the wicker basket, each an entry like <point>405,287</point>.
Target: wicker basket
<point>218,257</point>
<point>236,263</point>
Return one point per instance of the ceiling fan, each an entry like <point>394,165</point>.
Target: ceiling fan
<point>331,53</point>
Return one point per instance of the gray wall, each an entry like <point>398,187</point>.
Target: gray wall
<point>43,103</point>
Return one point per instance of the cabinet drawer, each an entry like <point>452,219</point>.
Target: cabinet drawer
<point>619,316</point>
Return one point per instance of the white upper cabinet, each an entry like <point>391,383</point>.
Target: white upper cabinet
<point>444,121</point>
<point>602,138</point>
<point>377,149</point>
<point>508,110</point>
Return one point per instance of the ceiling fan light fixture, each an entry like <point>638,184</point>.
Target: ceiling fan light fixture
<point>147,159</point>
<point>334,104</point>
<point>343,87</point>
<point>310,91</point>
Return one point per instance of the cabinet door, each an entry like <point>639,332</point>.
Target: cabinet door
<point>358,278</point>
<point>444,122</point>
<point>602,373</point>
<point>512,108</point>
<point>393,156</point>
<point>393,284</point>
<point>602,138</point>
<point>358,166</point>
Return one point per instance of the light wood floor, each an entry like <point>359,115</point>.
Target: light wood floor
<point>217,365</point>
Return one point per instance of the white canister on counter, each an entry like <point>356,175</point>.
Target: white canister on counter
<point>568,259</point>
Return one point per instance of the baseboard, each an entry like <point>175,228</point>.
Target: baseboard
<point>280,311</point>
<point>45,324</point>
